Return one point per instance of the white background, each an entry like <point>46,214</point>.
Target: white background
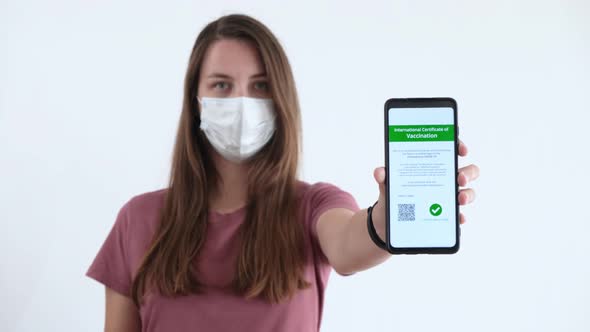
<point>90,93</point>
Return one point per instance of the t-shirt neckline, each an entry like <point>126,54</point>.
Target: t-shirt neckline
<point>225,216</point>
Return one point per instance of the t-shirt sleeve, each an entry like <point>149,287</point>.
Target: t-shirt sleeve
<point>111,265</point>
<point>323,197</point>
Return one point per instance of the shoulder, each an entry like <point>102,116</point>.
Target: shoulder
<point>140,216</point>
<point>305,188</point>
<point>321,196</point>
<point>142,210</point>
<point>320,190</point>
<point>147,201</point>
<point>125,245</point>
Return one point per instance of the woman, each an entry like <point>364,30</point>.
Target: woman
<point>236,241</point>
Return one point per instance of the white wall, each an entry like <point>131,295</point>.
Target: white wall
<point>90,93</point>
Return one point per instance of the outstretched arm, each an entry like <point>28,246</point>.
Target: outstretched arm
<point>343,234</point>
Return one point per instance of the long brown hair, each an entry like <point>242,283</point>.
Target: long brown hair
<point>272,257</point>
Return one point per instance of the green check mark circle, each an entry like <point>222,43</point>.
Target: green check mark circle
<point>435,209</point>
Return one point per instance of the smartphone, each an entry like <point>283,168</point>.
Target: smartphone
<point>421,149</point>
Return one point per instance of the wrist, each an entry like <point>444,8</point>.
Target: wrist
<point>373,232</point>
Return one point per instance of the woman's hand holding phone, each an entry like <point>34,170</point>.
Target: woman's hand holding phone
<point>465,175</point>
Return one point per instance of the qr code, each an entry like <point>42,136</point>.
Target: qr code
<point>406,212</point>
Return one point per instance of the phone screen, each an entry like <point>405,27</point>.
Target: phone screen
<point>422,185</point>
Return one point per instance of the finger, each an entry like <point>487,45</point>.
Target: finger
<point>467,174</point>
<point>466,196</point>
<point>462,218</point>
<point>379,175</point>
<point>462,149</point>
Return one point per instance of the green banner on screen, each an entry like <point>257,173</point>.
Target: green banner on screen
<point>421,133</point>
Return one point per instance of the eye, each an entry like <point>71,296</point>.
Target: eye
<point>261,86</point>
<point>221,85</point>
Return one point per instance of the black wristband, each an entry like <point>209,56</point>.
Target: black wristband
<point>372,232</point>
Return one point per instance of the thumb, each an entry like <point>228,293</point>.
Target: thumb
<point>379,175</point>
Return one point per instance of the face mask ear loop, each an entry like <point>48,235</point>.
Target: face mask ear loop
<point>199,110</point>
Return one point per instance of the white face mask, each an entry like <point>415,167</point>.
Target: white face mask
<point>237,127</point>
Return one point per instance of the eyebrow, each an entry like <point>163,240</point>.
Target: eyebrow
<point>258,75</point>
<point>220,75</point>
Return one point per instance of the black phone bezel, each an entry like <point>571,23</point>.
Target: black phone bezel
<point>421,103</point>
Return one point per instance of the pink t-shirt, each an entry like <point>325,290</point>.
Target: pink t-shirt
<point>217,309</point>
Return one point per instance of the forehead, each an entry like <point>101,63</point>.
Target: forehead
<point>233,57</point>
